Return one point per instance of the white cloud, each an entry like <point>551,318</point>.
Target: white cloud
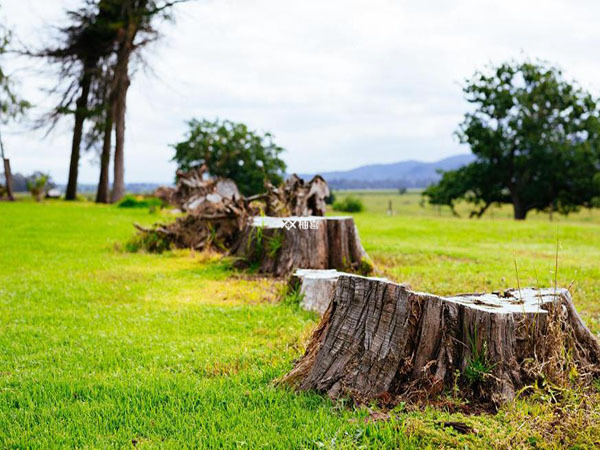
<point>339,83</point>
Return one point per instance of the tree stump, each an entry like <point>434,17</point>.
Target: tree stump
<point>316,287</point>
<point>279,245</point>
<point>378,339</point>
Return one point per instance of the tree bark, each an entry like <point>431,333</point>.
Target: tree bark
<point>8,177</point>
<point>378,339</point>
<point>519,210</point>
<point>80,114</point>
<point>122,85</point>
<point>316,287</point>
<point>7,172</point>
<point>103,194</point>
<point>279,245</point>
<point>118,190</point>
<point>520,213</point>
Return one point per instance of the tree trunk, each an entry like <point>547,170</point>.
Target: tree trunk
<point>122,85</point>
<point>7,172</point>
<point>80,113</point>
<point>118,190</point>
<point>103,194</point>
<point>379,340</point>
<point>8,177</point>
<point>279,245</point>
<point>520,213</point>
<point>519,210</point>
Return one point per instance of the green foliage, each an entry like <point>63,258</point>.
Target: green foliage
<point>537,142</point>
<point>138,201</point>
<point>11,105</point>
<point>365,267</point>
<point>231,150</point>
<point>255,246</point>
<point>255,249</point>
<point>330,199</point>
<point>150,242</point>
<point>349,204</point>
<point>37,185</point>
<point>473,183</point>
<point>479,367</point>
<point>274,244</point>
<point>292,295</point>
<point>259,245</point>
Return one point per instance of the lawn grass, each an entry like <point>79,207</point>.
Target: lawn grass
<point>103,348</point>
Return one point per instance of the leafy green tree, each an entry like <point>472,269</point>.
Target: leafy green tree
<point>136,28</point>
<point>536,137</point>
<point>233,151</point>
<point>476,183</point>
<point>79,50</point>
<point>94,55</point>
<point>37,184</point>
<point>11,105</point>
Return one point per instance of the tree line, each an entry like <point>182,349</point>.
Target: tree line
<point>536,139</point>
<point>94,54</point>
<point>535,134</point>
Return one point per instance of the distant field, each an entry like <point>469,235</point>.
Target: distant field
<point>434,251</point>
<point>413,203</point>
<point>101,348</point>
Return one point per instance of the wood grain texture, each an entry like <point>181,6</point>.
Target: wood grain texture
<point>316,287</point>
<point>322,243</point>
<point>380,338</point>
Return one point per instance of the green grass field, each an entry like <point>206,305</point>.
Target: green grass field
<point>103,348</point>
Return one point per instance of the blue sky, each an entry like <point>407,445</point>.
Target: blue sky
<point>340,83</point>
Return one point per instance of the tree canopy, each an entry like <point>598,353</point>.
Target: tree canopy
<point>11,105</point>
<point>231,150</point>
<point>536,138</point>
<point>94,54</point>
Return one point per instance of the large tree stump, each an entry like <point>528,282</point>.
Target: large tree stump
<point>379,339</point>
<point>279,245</point>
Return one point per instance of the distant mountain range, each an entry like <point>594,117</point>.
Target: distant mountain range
<point>404,174</point>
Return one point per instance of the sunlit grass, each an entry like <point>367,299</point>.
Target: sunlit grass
<point>104,348</point>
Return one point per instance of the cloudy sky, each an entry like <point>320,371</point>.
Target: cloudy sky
<point>340,83</point>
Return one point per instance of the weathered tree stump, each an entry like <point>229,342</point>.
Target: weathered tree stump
<point>378,339</point>
<point>279,245</point>
<point>316,287</point>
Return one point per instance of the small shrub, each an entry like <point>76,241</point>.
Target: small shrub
<point>349,204</point>
<point>138,201</point>
<point>292,295</point>
<point>274,244</point>
<point>365,267</point>
<point>255,248</point>
<point>330,199</point>
<point>151,242</point>
<point>37,185</point>
<point>478,368</point>
<point>255,245</point>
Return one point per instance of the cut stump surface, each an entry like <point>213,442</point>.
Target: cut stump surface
<point>316,287</point>
<point>279,245</point>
